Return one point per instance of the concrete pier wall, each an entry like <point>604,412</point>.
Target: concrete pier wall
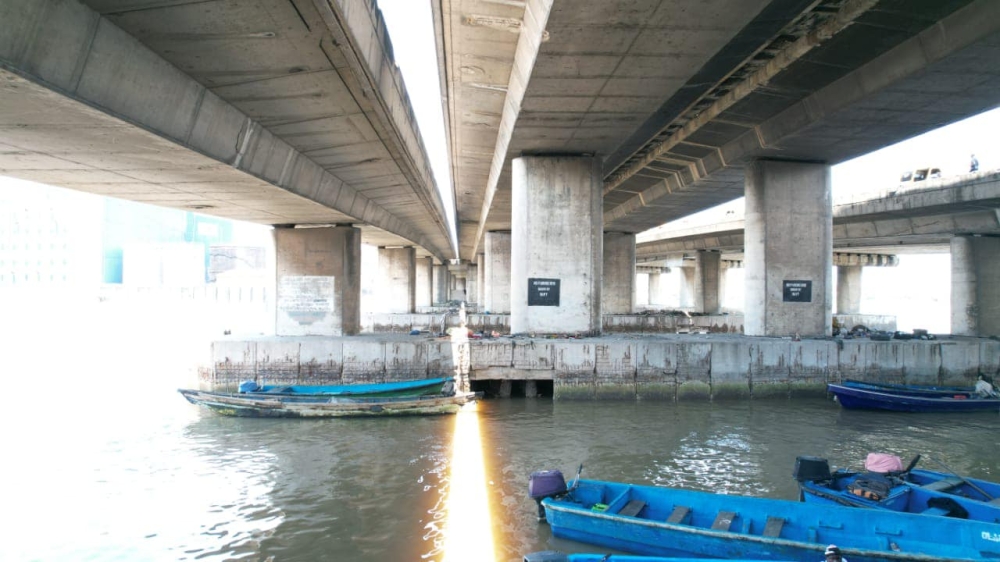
<point>622,367</point>
<point>430,319</point>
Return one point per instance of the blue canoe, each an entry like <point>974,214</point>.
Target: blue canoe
<point>863,399</point>
<point>912,389</point>
<point>659,521</point>
<point>926,493</point>
<point>555,556</point>
<point>419,387</point>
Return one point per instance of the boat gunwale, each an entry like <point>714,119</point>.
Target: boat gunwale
<point>730,535</point>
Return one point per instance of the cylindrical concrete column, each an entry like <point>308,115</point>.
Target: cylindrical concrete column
<point>481,280</point>
<point>556,245</point>
<point>849,289</point>
<point>964,304</point>
<point>655,296</point>
<point>497,273</point>
<point>318,281</point>
<point>472,284</point>
<point>440,284</point>
<point>425,285</point>
<point>708,269</point>
<point>397,291</point>
<point>788,249</point>
<point>618,281</point>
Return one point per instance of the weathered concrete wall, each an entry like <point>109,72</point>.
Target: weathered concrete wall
<point>636,368</point>
<point>431,319</point>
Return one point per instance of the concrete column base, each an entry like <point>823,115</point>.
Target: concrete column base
<point>530,389</point>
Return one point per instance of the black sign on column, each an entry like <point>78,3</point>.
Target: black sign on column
<point>797,291</point>
<point>543,292</point>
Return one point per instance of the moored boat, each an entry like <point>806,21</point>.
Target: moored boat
<point>417,387</point>
<point>895,491</point>
<point>863,399</point>
<point>555,556</point>
<point>317,406</point>
<point>657,521</point>
<point>912,389</point>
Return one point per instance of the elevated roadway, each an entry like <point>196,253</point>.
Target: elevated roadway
<point>899,220</point>
<point>279,112</point>
<point>675,97</point>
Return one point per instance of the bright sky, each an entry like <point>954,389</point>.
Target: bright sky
<point>411,29</point>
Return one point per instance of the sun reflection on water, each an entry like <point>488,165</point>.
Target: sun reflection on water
<point>468,531</point>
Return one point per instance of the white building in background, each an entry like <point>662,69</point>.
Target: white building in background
<point>49,237</point>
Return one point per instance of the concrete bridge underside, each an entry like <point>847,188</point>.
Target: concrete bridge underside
<point>268,111</point>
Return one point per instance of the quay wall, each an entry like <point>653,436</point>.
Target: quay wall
<point>438,321</point>
<point>678,367</point>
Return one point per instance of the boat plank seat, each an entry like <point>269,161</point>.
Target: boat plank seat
<point>773,527</point>
<point>723,521</point>
<point>934,511</point>
<point>679,513</point>
<point>632,508</point>
<point>944,484</point>
<point>994,501</point>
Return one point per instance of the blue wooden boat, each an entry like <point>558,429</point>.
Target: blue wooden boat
<point>318,406</point>
<point>555,556</point>
<point>929,493</point>
<point>657,521</point>
<point>864,399</point>
<point>912,389</point>
<point>972,488</point>
<point>418,387</point>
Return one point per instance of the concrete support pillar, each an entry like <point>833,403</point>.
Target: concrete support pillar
<point>557,243</point>
<point>397,290</point>
<point>975,294</point>
<point>690,294</point>
<point>318,281</point>
<point>458,293</point>
<point>655,295</point>
<point>472,284</point>
<point>849,289</point>
<point>481,280</point>
<point>440,284</point>
<point>425,285</point>
<point>497,273</point>
<point>530,389</point>
<point>788,249</point>
<point>701,282</point>
<point>618,281</point>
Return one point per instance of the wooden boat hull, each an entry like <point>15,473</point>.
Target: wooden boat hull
<point>862,399</point>
<point>902,496</point>
<point>674,522</point>
<point>418,387</point>
<point>242,405</point>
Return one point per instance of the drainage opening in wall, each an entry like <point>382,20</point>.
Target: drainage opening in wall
<point>507,388</point>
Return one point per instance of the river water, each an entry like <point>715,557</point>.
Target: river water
<point>108,462</point>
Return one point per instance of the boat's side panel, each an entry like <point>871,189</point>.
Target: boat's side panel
<point>865,534</point>
<point>855,398</point>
